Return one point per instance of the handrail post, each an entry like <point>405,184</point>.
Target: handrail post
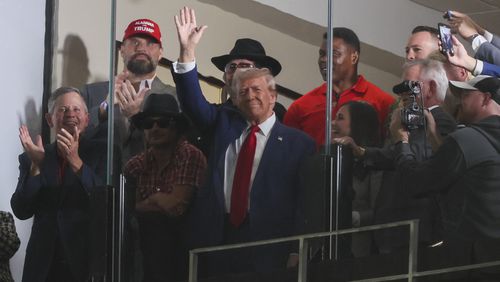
<point>193,266</point>
<point>303,247</point>
<point>413,249</point>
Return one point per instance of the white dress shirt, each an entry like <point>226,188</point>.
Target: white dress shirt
<point>181,68</point>
<point>232,156</point>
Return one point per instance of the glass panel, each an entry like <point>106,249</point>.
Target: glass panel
<point>173,197</point>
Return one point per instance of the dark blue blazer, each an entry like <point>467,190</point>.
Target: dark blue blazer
<point>60,209</point>
<point>273,208</point>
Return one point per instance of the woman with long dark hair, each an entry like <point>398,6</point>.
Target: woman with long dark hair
<point>356,123</point>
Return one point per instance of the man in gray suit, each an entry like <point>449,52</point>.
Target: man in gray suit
<point>141,50</point>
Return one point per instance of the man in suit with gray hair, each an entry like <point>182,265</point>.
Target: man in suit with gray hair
<point>251,192</point>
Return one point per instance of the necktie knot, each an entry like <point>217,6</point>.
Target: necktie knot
<point>254,129</point>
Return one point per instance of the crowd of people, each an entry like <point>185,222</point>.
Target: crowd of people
<point>202,174</point>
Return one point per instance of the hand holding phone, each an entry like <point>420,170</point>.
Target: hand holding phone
<point>445,38</point>
<point>447,15</point>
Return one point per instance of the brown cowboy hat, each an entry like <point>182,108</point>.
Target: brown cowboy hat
<point>246,48</point>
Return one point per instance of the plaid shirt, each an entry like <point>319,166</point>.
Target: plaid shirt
<point>187,167</point>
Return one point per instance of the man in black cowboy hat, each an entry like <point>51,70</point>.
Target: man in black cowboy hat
<point>163,179</point>
<point>246,53</point>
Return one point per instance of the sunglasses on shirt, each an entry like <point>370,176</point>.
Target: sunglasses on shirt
<point>162,122</point>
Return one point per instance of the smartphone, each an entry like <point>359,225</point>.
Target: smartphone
<point>445,37</point>
<point>447,15</point>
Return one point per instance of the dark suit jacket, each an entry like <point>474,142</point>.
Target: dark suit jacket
<point>59,208</point>
<point>394,202</point>
<point>273,198</point>
<point>132,141</point>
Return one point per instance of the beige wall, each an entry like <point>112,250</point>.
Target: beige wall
<point>297,51</point>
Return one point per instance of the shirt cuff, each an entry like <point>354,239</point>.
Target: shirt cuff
<point>478,41</point>
<point>181,68</point>
<point>488,35</point>
<point>478,69</point>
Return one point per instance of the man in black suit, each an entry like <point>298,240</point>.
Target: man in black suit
<point>54,185</point>
<point>393,203</point>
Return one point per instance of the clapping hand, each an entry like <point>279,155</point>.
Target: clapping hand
<point>35,150</point>
<point>67,145</point>
<point>128,99</point>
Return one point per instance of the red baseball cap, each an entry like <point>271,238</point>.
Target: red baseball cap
<point>143,27</point>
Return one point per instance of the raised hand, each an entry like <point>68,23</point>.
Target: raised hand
<point>189,34</point>
<point>461,58</point>
<point>464,25</point>
<point>68,145</point>
<point>35,151</point>
<point>129,101</point>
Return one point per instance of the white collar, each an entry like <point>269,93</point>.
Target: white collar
<point>267,125</point>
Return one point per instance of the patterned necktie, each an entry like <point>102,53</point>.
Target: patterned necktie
<point>241,181</point>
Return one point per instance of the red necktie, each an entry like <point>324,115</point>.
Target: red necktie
<point>241,180</point>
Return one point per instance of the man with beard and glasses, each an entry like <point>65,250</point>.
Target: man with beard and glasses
<point>141,50</point>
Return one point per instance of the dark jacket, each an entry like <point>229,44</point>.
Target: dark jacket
<point>465,172</point>
<point>273,197</point>
<point>60,208</point>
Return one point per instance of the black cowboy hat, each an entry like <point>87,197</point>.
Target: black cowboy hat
<point>161,105</point>
<point>246,48</point>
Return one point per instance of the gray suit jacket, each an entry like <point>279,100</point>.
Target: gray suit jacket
<point>132,141</point>
<point>490,52</point>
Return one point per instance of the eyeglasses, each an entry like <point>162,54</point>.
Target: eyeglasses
<point>230,68</point>
<point>163,122</point>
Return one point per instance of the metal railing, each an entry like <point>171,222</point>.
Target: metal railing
<point>303,246</point>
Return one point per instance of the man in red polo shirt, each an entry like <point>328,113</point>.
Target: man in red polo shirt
<point>308,112</point>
